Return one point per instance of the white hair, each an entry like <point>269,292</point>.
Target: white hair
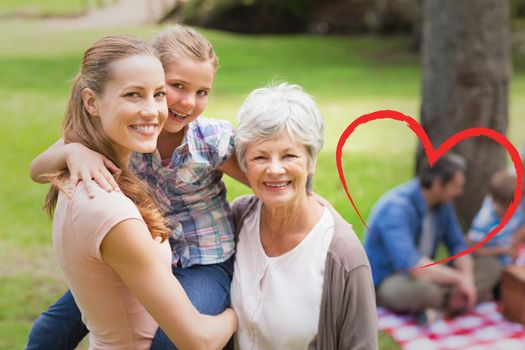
<point>268,111</point>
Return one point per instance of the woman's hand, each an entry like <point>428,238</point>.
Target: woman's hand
<point>91,167</point>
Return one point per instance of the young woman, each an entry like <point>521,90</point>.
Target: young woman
<point>184,176</point>
<point>112,247</point>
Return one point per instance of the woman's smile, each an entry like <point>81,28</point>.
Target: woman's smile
<point>277,170</point>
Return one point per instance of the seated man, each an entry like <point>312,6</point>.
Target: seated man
<point>497,251</point>
<point>406,226</point>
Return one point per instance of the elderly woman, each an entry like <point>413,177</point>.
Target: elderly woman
<point>301,277</point>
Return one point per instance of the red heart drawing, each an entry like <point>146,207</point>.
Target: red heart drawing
<point>433,155</point>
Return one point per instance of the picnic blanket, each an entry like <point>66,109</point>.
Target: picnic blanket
<point>483,328</point>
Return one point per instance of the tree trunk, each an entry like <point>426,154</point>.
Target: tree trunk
<point>466,74</point>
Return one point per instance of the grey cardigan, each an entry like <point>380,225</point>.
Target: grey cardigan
<point>348,311</point>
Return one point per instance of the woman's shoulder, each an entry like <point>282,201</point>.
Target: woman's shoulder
<point>241,207</point>
<point>345,249</point>
<point>243,204</point>
<point>103,205</point>
<point>346,246</point>
<point>90,219</point>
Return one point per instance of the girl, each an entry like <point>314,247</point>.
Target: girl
<point>112,248</point>
<point>184,176</point>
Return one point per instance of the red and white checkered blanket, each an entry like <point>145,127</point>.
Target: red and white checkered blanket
<point>483,328</point>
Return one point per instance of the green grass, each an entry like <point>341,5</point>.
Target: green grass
<point>348,77</point>
<point>46,8</point>
<point>43,7</point>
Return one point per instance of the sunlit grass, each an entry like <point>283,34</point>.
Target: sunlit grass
<point>45,8</point>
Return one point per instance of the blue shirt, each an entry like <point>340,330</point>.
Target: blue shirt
<point>395,229</point>
<point>190,192</point>
<point>486,220</point>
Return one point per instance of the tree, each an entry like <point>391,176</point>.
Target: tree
<point>466,73</point>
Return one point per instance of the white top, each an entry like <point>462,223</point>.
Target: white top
<point>114,317</point>
<point>277,299</point>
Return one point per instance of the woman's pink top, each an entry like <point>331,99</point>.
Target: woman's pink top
<point>114,317</point>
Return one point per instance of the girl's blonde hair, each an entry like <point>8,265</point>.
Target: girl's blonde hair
<point>95,72</point>
<point>178,41</point>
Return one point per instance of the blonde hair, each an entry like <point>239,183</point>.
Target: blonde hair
<point>178,41</point>
<point>96,70</point>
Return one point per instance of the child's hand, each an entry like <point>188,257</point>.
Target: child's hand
<point>90,166</point>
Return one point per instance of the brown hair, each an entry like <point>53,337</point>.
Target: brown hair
<point>443,169</point>
<point>78,126</point>
<point>502,186</point>
<point>179,41</point>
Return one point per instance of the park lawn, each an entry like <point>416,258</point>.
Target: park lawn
<point>50,8</point>
<point>43,7</point>
<point>347,76</point>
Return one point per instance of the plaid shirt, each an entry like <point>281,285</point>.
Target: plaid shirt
<point>191,194</point>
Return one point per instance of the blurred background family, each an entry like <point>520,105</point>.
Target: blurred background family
<point>408,225</point>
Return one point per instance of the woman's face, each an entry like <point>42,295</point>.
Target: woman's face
<point>132,108</point>
<point>277,170</point>
<point>188,84</point>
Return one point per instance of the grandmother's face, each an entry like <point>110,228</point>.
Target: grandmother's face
<point>277,170</point>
